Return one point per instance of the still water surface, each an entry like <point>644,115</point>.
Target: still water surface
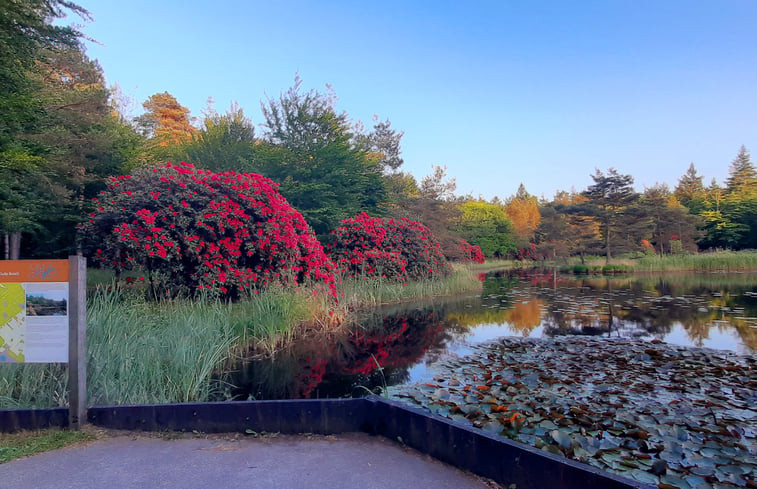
<point>699,310</point>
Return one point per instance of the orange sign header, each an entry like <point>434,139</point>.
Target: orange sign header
<point>33,271</point>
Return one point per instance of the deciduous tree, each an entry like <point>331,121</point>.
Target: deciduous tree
<point>309,149</point>
<point>487,225</point>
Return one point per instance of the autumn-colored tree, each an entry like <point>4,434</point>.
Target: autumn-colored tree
<point>165,121</point>
<point>523,211</point>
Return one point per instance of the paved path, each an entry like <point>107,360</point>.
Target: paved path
<point>345,461</point>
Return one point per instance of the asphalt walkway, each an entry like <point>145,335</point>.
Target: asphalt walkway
<point>352,460</point>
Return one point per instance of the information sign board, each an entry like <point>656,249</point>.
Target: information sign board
<point>34,311</point>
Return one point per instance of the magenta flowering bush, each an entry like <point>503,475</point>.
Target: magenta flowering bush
<point>195,230</point>
<point>471,253</point>
<point>398,249</point>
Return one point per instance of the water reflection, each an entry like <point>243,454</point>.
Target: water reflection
<point>707,307</point>
<point>353,362</point>
<point>396,345</point>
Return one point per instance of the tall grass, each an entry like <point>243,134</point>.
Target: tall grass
<point>493,264</point>
<point>142,352</point>
<point>374,292</point>
<point>704,262</point>
<point>33,385</point>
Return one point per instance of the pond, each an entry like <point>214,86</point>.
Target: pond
<point>652,377</point>
<point>407,342</point>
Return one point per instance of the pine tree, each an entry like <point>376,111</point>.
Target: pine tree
<point>742,176</point>
<point>609,198</point>
<point>690,186</point>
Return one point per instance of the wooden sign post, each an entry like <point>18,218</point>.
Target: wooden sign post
<point>77,344</point>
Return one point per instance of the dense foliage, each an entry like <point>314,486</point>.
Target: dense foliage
<point>192,229</point>
<point>398,249</point>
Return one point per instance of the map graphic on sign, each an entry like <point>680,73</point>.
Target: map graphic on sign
<point>12,322</point>
<point>34,311</point>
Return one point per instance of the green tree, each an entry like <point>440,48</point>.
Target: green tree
<point>487,225</point>
<point>565,230</point>
<point>670,221</point>
<point>58,137</point>
<point>742,176</point>
<point>308,148</point>
<point>383,143</point>
<point>224,142</point>
<point>610,198</point>
<point>82,141</point>
<point>690,190</point>
<point>432,203</point>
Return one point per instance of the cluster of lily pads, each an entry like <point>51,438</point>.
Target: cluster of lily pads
<point>661,414</point>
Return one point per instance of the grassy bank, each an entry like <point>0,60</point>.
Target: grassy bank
<point>729,261</point>
<point>361,293</point>
<point>144,352</point>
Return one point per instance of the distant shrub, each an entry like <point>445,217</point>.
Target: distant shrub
<point>190,229</point>
<point>611,269</point>
<point>471,253</point>
<point>398,249</point>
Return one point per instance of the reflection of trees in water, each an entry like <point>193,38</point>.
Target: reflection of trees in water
<point>648,306</point>
<point>524,317</point>
<point>335,364</point>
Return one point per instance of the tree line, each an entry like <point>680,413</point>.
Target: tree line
<point>62,137</point>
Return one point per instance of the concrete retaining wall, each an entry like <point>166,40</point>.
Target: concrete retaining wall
<point>502,460</point>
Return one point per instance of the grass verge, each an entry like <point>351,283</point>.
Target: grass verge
<point>727,261</point>
<point>27,443</point>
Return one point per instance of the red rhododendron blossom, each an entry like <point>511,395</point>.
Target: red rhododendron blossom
<point>193,229</point>
<point>398,249</point>
<point>471,253</point>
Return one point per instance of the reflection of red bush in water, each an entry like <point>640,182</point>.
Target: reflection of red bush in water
<point>400,342</point>
<point>313,375</point>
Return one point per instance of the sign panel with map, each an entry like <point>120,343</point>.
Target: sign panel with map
<point>34,311</point>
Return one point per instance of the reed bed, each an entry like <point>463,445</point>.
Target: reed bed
<point>702,262</point>
<point>373,292</point>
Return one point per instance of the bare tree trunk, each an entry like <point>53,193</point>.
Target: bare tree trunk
<point>7,246</point>
<point>15,246</point>
<point>607,244</point>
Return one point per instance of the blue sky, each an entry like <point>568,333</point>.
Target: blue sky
<point>502,92</point>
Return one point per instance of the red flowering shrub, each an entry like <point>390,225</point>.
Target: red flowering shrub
<point>527,253</point>
<point>193,229</point>
<point>471,252</point>
<point>393,248</point>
